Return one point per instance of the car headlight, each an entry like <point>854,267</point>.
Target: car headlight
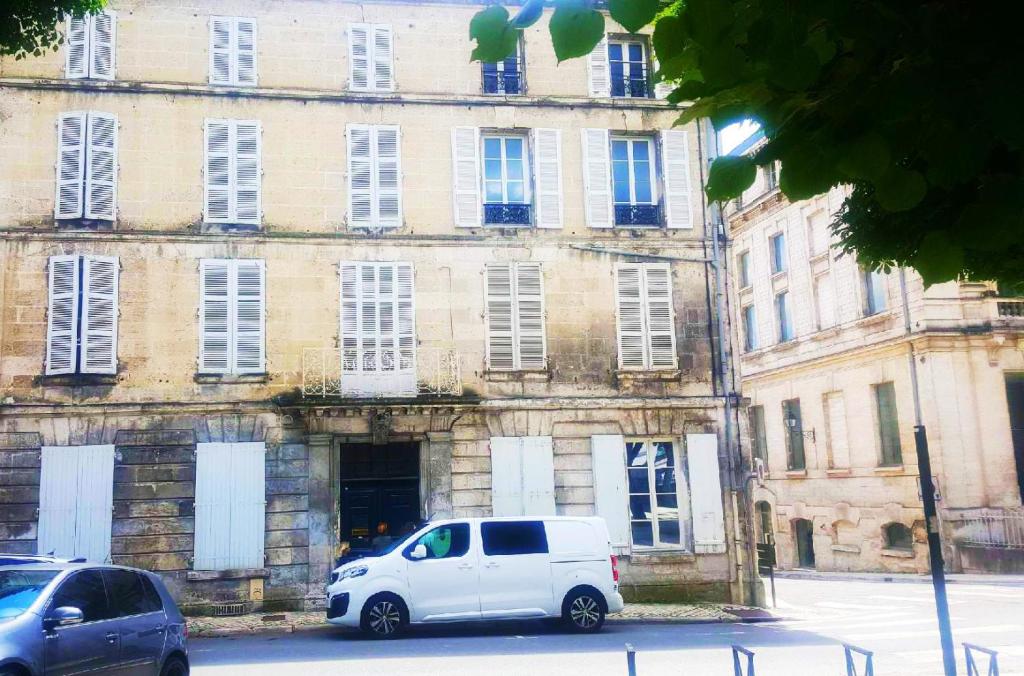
<point>355,571</point>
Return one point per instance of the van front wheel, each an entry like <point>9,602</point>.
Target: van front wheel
<point>384,616</point>
<point>583,611</point>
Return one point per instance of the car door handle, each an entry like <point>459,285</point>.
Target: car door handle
<point>159,628</point>
<point>466,566</point>
<point>111,637</point>
<point>491,564</point>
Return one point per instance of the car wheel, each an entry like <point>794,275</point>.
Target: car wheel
<point>583,611</point>
<point>175,666</point>
<point>384,616</point>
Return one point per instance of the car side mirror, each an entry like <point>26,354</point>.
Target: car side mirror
<point>418,552</point>
<point>63,617</point>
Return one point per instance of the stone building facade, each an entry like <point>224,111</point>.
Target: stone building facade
<point>271,278</point>
<point>825,368</point>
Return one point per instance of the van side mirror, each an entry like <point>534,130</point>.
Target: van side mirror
<point>62,617</point>
<point>418,552</point>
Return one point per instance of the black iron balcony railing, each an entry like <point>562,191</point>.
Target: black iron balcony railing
<point>507,81</point>
<point>637,214</point>
<point>507,214</point>
<point>632,87</point>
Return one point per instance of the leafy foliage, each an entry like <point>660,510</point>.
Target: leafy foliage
<point>31,27</point>
<point>914,103</point>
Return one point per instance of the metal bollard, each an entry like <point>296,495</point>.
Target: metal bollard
<point>851,667</point>
<point>972,665</point>
<point>737,663</point>
<point>630,659</point>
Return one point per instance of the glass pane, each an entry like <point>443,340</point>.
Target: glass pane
<point>643,183</point>
<point>636,52</point>
<point>640,506</point>
<point>668,532</point>
<point>490,67</point>
<point>640,150</point>
<point>508,538</point>
<point>636,454</point>
<point>493,191</point>
<point>643,534</point>
<point>516,192</point>
<point>639,482</point>
<point>492,170</point>
<point>663,455</point>
<point>514,169</point>
<point>620,181</point>
<point>619,150</point>
<point>668,506</point>
<point>514,148</point>
<point>614,51</point>
<point>665,480</point>
<point>492,148</point>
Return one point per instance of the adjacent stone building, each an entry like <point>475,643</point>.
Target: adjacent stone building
<point>270,278</point>
<point>825,368</point>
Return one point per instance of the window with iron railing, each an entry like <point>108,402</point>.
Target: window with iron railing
<point>503,77</point>
<point>627,60</point>
<point>506,181</point>
<point>633,182</point>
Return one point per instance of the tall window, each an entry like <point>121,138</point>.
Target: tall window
<point>633,187</point>
<point>504,77</point>
<point>232,51</point>
<point>89,46</point>
<point>230,505</point>
<point>794,429</point>
<point>749,328</point>
<point>888,424</point>
<point>743,263</point>
<point>824,301</point>
<point>374,176</point>
<point>231,316</point>
<point>370,53</point>
<point>1015,404</point>
<point>653,494</point>
<point>515,317</point>
<point>645,318</point>
<point>758,436</point>
<point>627,61</point>
<point>875,297</point>
<point>506,180</point>
<point>817,233</point>
<point>86,166</point>
<point>784,317</point>
<point>777,248</point>
<point>233,173</point>
<point>771,176</point>
<point>81,321</point>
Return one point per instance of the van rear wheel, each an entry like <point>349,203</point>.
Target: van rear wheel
<point>583,611</point>
<point>384,616</point>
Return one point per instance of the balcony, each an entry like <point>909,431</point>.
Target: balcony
<point>507,214</point>
<point>369,374</point>
<point>1010,308</point>
<point>506,82</point>
<point>631,215</point>
<point>631,87</point>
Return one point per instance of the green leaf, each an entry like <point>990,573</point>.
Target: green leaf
<point>528,14</point>
<point>633,14</point>
<point>575,29</point>
<point>805,173</point>
<point>670,37</point>
<point>867,157</point>
<point>900,189</point>
<point>938,259</point>
<point>495,38</point>
<point>729,176</point>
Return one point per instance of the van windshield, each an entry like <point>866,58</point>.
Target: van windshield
<point>19,589</point>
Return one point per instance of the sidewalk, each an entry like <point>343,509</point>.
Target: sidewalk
<point>913,578</point>
<point>697,613</point>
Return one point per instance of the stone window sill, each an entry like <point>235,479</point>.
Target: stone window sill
<point>890,470</point>
<point>230,574</point>
<point>233,228</point>
<point>523,376</point>
<point>839,472</point>
<point>625,376</point>
<point>78,380</point>
<point>84,224</point>
<point>796,474</point>
<point>878,318</point>
<point>660,555</point>
<point>849,549</point>
<point>229,379</point>
<point>898,553</point>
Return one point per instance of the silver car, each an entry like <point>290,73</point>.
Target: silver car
<point>60,618</point>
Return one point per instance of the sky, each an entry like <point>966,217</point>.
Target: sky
<point>733,135</point>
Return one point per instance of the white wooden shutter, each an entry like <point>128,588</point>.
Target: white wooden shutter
<point>218,172</point>
<point>538,468</point>
<point>383,70</point>
<point>359,56</point>
<point>629,316</point>
<point>608,454</point>
<point>245,52</point>
<point>221,32</point>
<point>101,175</point>
<point>405,299</point>
<point>214,316</point>
<point>599,70</point>
<point>248,171</point>
<point>825,297</point>
<point>76,47</point>
<point>529,316</point>
<point>506,476</point>
<point>547,176</point>
<point>248,505</point>
<point>62,316</point>
<point>71,135</point>
<point>466,176</point>
<point>675,159</point>
<point>500,333</point>
<point>230,506</point>
<point>99,314</point>
<point>597,179</point>
<point>102,38</point>
<point>661,335</point>
<point>249,316</point>
<point>705,494</point>
<point>76,501</point>
<point>838,436</point>
<point>350,318</point>
<point>360,175</point>
<point>388,165</point>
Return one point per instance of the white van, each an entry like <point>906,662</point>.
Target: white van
<point>460,570</point>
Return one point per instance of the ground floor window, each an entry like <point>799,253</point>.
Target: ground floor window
<point>653,494</point>
<point>897,536</point>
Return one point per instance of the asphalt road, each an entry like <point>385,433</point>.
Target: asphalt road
<point>893,619</point>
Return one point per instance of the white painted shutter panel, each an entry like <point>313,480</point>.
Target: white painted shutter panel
<point>221,29</point>
<point>218,172</point>
<point>76,47</point>
<point>58,484</point>
<point>383,70</point>
<point>826,299</point>
<point>838,436</point>
<point>95,505</point>
<point>466,176</point>
<point>547,181</point>
<point>500,334</point>
<point>661,335</point>
<point>599,70</point>
<point>388,141</point>
<point>101,177</point>
<point>360,175</point>
<point>530,316</point>
<point>99,314</point>
<point>62,316</point>
<point>76,501</point>
<point>245,52</point>
<point>350,312</point>
<point>506,476</point>
<point>248,171</point>
<point>630,316</point>
<point>705,494</point>
<point>101,49</point>
<point>214,482</point>
<point>538,467</point>
<point>597,180</point>
<point>675,158</point>
<point>359,56</point>
<point>248,505</point>
<point>214,316</point>
<point>406,330</point>
<point>249,317</point>
<point>71,133</point>
<point>608,454</point>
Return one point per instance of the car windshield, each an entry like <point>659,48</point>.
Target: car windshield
<point>20,588</point>
<point>395,544</point>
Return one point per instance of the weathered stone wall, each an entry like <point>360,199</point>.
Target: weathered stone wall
<point>19,492</point>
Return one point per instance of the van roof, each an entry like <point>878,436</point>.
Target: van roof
<point>484,519</point>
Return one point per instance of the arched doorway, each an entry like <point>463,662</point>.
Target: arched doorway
<point>803,533</point>
<point>765,529</point>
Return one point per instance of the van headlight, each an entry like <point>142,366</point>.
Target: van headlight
<point>355,571</point>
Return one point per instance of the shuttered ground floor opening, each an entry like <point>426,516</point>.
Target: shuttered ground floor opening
<point>379,496</point>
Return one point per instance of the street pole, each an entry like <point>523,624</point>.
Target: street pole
<point>931,517</point>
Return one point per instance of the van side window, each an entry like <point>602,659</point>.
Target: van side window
<point>444,542</point>
<point>508,538</point>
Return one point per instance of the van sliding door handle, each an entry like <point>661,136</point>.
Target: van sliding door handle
<point>491,564</point>
<point>466,566</point>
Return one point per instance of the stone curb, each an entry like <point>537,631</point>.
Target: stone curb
<point>995,581</point>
